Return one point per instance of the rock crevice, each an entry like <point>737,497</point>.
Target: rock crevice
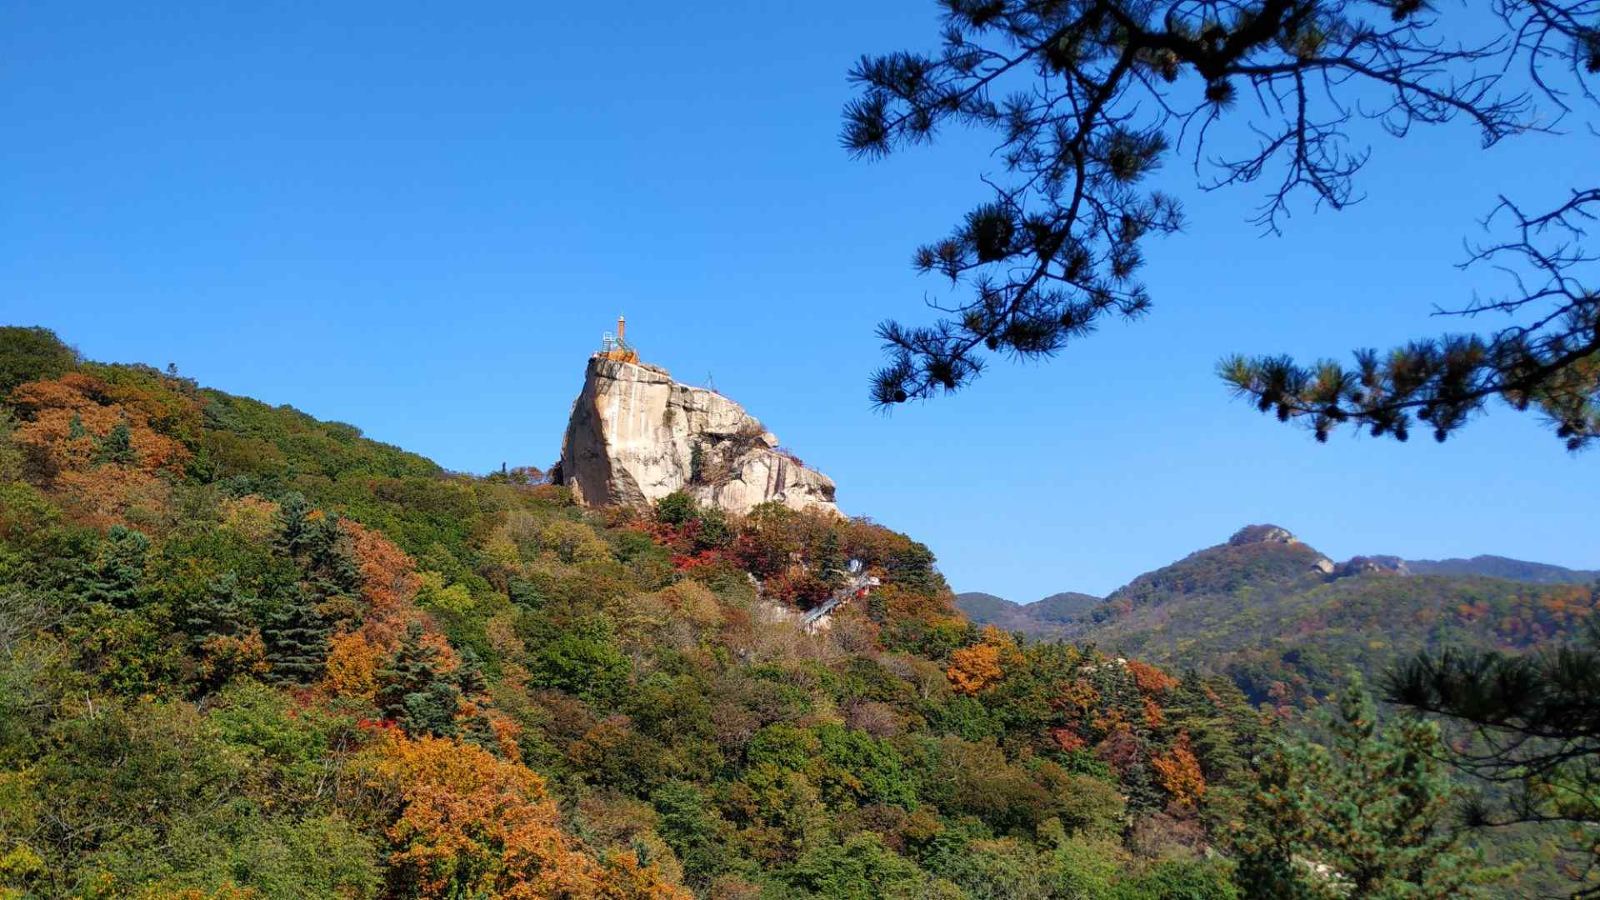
<point>636,436</point>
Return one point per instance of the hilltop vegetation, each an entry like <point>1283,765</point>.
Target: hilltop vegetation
<point>244,653</point>
<point>1290,628</point>
<point>1277,618</point>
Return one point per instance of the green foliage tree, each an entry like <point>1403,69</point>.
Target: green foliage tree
<point>1362,814</point>
<point>1529,730</point>
<point>1086,99</point>
<point>862,868</point>
<point>117,446</point>
<point>31,354</point>
<point>414,692</point>
<point>1183,881</point>
<point>115,577</point>
<point>296,635</point>
<point>690,825</point>
<point>676,508</point>
<point>584,661</point>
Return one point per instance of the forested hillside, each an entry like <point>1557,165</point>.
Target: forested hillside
<point>1281,620</point>
<point>1290,628</point>
<point>244,653</point>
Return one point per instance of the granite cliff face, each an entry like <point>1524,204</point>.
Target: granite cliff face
<point>636,435</point>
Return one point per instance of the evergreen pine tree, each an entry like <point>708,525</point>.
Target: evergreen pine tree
<point>1082,103</point>
<point>296,637</point>
<point>116,574</point>
<point>431,710</point>
<point>294,524</point>
<point>413,692</point>
<point>314,540</point>
<point>1530,728</point>
<point>218,611</point>
<point>831,562</point>
<point>1361,815</point>
<point>117,446</point>
<point>469,675</point>
<point>330,569</point>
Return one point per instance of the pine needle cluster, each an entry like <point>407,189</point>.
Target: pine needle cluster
<point>1086,99</point>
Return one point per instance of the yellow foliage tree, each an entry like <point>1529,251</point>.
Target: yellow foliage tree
<point>352,667</point>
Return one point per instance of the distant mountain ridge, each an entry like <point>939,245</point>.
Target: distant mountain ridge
<point>1506,568</point>
<point>1041,618</point>
<point>990,609</point>
<point>1264,607</point>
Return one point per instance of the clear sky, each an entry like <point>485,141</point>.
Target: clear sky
<point>419,218</point>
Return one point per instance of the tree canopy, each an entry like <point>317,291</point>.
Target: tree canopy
<point>1086,98</point>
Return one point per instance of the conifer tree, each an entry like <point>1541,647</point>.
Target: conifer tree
<point>414,692</point>
<point>296,635</point>
<point>313,538</point>
<point>469,675</point>
<point>117,446</point>
<point>218,611</point>
<point>297,628</point>
<point>830,560</point>
<point>117,573</point>
<point>1529,729</point>
<point>1085,100</point>
<point>295,524</point>
<point>1360,810</point>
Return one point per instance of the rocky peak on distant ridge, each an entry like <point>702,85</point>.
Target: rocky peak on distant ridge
<point>1262,534</point>
<point>636,435</point>
<point>1371,565</point>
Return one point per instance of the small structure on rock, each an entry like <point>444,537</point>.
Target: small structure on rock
<point>858,583</point>
<point>636,435</point>
<point>615,346</point>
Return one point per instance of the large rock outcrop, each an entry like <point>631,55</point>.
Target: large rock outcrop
<point>636,435</point>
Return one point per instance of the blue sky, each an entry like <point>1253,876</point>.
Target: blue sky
<point>419,220</point>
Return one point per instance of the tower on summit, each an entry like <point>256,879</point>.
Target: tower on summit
<point>616,347</point>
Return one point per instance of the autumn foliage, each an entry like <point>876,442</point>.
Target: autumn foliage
<point>1150,680</point>
<point>95,445</point>
<point>1178,771</point>
<point>467,823</point>
<point>978,667</point>
<point>245,653</point>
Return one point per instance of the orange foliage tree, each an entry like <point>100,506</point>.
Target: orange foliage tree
<point>469,824</point>
<point>1149,679</point>
<point>95,444</point>
<point>389,583</point>
<point>978,667</point>
<point>1178,772</point>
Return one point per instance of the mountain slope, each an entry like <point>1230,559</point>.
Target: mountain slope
<point>245,653</point>
<point>987,609</point>
<point>1265,608</point>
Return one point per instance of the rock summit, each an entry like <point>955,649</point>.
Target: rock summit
<point>636,436</point>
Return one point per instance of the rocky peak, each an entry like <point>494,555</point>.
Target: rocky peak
<point>1262,534</point>
<point>1371,565</point>
<point>636,436</point>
